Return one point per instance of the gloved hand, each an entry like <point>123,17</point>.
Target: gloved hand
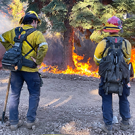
<point>35,61</point>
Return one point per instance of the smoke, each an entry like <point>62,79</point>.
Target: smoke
<point>54,56</point>
<point>87,49</point>
<point>5,23</point>
<point>55,51</point>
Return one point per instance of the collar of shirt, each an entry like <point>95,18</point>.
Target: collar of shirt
<point>27,26</point>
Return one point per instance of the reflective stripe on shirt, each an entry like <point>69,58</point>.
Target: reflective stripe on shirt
<point>97,58</point>
<point>44,43</point>
<point>128,58</point>
<point>3,40</point>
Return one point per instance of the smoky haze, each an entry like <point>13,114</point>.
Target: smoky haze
<point>54,55</point>
<point>55,50</point>
<point>5,25</point>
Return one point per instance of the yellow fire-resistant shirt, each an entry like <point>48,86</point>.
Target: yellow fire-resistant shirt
<point>102,45</point>
<point>36,39</point>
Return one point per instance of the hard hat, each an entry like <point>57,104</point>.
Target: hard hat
<point>29,15</point>
<point>113,24</point>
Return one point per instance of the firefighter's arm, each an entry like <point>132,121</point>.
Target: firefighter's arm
<point>7,39</point>
<point>43,48</point>
<point>99,51</point>
<point>127,51</point>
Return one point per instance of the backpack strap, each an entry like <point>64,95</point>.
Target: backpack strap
<point>19,38</point>
<point>18,31</point>
<point>107,44</point>
<point>108,40</point>
<point>125,45</point>
<point>28,32</point>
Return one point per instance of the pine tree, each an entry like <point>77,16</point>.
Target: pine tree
<point>101,14</point>
<point>58,12</point>
<point>65,15</point>
<point>35,5</point>
<point>126,7</point>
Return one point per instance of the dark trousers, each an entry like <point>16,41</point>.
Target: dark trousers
<point>32,80</point>
<point>124,106</point>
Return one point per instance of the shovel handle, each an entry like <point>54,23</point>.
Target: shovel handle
<point>6,99</point>
<point>4,109</point>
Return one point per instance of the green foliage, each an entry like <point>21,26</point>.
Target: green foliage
<point>33,7</point>
<point>107,13</point>
<point>43,26</point>
<point>87,14</point>
<point>129,29</point>
<point>90,14</point>
<point>82,16</point>
<point>56,11</point>
<point>124,6</point>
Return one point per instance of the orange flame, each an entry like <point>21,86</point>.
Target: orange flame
<point>80,68</point>
<point>133,59</point>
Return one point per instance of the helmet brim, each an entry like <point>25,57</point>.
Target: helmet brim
<point>21,20</point>
<point>24,18</point>
<point>111,28</point>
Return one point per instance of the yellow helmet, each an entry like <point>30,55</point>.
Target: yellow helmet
<point>29,15</point>
<point>113,24</point>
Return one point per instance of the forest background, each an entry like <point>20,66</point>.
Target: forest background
<point>67,18</point>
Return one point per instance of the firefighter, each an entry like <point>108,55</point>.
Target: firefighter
<point>113,26</point>
<point>31,76</point>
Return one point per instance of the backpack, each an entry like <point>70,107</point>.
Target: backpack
<point>13,59</point>
<point>113,67</point>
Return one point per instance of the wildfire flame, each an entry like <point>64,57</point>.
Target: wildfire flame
<point>80,68</point>
<point>133,59</point>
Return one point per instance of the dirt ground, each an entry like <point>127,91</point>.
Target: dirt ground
<point>69,104</point>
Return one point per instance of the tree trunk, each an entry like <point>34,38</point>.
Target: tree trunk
<point>39,4</point>
<point>68,40</point>
<point>68,46</point>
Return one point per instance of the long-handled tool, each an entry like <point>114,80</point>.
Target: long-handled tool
<point>5,104</point>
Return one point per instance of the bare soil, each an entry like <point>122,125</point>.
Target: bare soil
<point>69,104</point>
